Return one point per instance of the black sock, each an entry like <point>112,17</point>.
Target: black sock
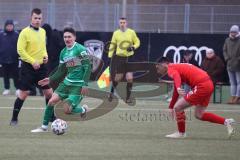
<point>46,100</point>
<point>112,89</point>
<point>129,89</point>
<point>114,85</point>
<point>17,107</point>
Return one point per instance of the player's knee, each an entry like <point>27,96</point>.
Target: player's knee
<point>51,102</point>
<point>23,95</point>
<point>198,115</point>
<point>129,80</point>
<point>118,77</point>
<point>67,110</point>
<point>177,109</point>
<point>129,77</point>
<point>48,93</point>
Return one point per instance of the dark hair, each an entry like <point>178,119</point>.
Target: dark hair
<point>36,11</point>
<point>122,18</point>
<point>48,30</point>
<point>187,52</point>
<point>163,60</point>
<point>69,29</point>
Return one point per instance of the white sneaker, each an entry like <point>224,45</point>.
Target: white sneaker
<point>17,92</point>
<point>84,114</point>
<point>230,128</point>
<point>6,92</point>
<point>176,135</point>
<point>39,130</point>
<point>85,107</point>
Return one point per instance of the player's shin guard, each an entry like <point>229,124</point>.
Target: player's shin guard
<point>53,117</point>
<point>48,114</point>
<point>210,117</point>
<point>17,107</point>
<point>129,89</point>
<point>78,109</point>
<point>180,117</point>
<point>75,107</point>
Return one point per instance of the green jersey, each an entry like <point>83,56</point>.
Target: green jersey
<point>77,63</point>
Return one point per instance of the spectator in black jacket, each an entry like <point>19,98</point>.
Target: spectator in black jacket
<point>55,44</point>
<point>9,56</point>
<point>188,57</point>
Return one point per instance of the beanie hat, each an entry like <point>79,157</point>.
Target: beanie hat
<point>234,28</point>
<point>9,21</point>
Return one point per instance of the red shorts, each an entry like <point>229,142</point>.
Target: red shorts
<point>200,94</point>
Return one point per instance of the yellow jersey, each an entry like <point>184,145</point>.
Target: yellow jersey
<point>31,45</point>
<point>121,40</point>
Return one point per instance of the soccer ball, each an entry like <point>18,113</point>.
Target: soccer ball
<point>59,126</point>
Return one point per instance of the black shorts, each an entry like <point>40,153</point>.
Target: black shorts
<point>29,77</point>
<point>120,64</point>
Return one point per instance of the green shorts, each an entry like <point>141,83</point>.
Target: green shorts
<point>71,93</point>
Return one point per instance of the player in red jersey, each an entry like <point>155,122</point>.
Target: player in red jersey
<point>202,89</point>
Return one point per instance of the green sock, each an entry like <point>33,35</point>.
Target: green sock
<point>78,109</point>
<point>47,115</point>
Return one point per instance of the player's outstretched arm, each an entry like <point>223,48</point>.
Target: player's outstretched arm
<point>44,82</point>
<point>60,73</point>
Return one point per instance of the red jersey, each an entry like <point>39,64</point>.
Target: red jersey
<point>185,73</point>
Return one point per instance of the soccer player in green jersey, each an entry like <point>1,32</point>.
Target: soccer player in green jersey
<point>75,66</point>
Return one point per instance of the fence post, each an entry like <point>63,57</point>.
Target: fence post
<point>165,18</point>
<point>106,15</point>
<point>76,18</point>
<point>116,16</point>
<point>124,8</point>
<point>135,15</point>
<point>51,13</point>
<point>211,20</point>
<point>186,18</point>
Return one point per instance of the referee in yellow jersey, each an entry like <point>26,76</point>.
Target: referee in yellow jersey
<point>31,47</point>
<point>124,42</point>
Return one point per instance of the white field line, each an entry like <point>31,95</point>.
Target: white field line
<point>142,103</point>
<point>132,109</point>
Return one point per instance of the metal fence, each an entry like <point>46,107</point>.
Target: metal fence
<point>143,18</point>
